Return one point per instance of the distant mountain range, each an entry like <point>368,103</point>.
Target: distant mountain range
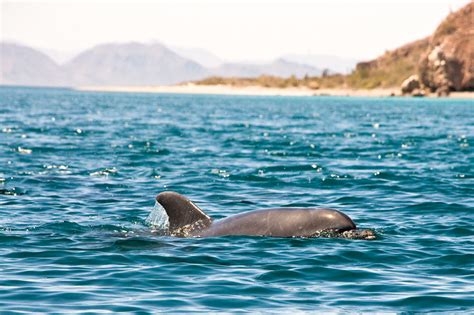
<point>279,68</point>
<point>201,56</point>
<point>132,64</point>
<point>23,65</point>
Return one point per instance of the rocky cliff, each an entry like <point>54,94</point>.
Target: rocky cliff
<point>443,61</point>
<point>448,62</point>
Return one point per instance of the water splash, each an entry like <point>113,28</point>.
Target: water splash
<point>158,219</point>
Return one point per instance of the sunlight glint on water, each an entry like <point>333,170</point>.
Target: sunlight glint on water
<point>74,202</point>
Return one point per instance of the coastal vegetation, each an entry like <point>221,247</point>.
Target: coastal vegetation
<point>268,81</point>
<point>365,76</point>
<point>386,71</point>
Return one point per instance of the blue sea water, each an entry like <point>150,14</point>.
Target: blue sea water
<point>79,172</point>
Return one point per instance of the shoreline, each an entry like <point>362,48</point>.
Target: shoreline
<point>191,88</point>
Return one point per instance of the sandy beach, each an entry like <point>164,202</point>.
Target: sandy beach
<point>191,88</point>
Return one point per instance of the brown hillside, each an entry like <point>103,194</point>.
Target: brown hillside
<point>390,69</point>
<point>454,39</point>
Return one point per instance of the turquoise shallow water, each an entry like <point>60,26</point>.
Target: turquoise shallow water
<point>79,172</point>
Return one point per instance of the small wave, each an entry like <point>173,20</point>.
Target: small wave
<point>62,227</point>
<point>279,276</point>
<point>140,243</point>
<point>437,207</point>
<point>104,172</point>
<point>22,150</point>
<point>15,191</point>
<point>433,303</point>
<point>220,173</point>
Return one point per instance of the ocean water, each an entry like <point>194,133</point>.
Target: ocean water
<point>79,172</point>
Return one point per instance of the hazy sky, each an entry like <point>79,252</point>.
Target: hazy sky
<point>233,30</point>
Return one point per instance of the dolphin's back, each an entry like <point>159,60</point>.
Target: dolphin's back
<point>186,219</point>
<point>280,222</point>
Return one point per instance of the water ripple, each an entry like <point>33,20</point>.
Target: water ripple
<point>79,172</point>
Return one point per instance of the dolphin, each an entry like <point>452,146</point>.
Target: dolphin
<point>185,219</point>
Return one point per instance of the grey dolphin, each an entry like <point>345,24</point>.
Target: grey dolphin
<point>186,219</point>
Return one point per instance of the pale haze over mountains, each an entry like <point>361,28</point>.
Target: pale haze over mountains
<point>107,38</point>
<point>144,64</point>
<point>131,64</point>
<point>201,56</point>
<point>21,65</point>
<point>332,63</point>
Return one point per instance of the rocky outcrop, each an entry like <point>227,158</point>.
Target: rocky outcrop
<point>410,85</point>
<point>448,63</point>
<point>444,61</point>
<point>439,73</point>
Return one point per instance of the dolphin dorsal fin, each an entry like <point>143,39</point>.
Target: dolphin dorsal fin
<point>181,211</point>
